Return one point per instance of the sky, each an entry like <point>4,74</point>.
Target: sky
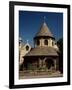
<point>30,23</point>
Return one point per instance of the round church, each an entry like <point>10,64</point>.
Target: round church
<point>44,55</point>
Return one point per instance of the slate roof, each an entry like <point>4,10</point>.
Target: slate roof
<point>44,31</point>
<point>42,51</point>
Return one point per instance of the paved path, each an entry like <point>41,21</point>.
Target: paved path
<point>56,74</point>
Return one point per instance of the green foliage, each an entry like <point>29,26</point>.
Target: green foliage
<point>60,45</point>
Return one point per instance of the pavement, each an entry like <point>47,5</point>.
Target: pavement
<point>23,75</point>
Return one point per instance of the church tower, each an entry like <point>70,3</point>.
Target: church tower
<point>44,38</point>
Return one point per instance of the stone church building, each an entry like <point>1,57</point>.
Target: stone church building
<point>44,55</point>
<point>23,50</point>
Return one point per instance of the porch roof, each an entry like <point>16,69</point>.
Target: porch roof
<point>42,51</point>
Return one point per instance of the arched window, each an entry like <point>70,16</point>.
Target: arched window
<point>27,48</point>
<point>37,42</point>
<point>46,42</point>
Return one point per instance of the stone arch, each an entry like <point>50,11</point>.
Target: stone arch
<point>49,63</point>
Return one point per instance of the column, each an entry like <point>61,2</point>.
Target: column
<point>44,63</point>
<point>40,63</point>
<point>57,64</point>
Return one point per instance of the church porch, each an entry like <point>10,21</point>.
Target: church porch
<point>41,63</point>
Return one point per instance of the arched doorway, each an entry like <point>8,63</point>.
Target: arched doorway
<point>49,63</point>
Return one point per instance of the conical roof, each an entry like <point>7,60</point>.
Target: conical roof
<point>44,31</point>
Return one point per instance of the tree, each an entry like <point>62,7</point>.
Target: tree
<point>60,46</point>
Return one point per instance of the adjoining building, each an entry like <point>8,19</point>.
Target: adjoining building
<point>23,50</point>
<point>44,55</point>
